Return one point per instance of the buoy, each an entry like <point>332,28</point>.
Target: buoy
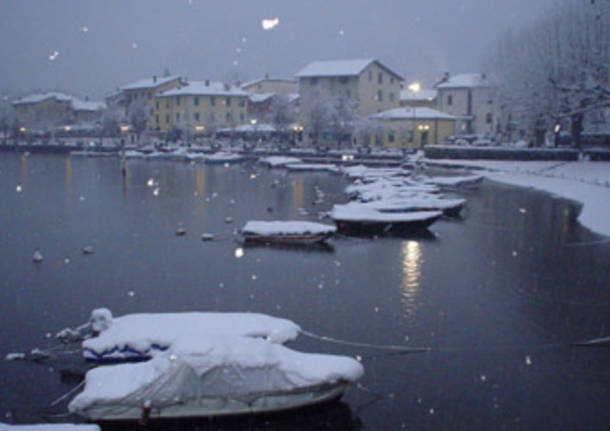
<point>180,231</point>
<point>88,249</point>
<point>37,256</point>
<point>207,237</point>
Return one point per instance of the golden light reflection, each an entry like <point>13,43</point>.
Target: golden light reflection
<point>24,171</point>
<point>68,175</point>
<point>411,270</point>
<point>298,194</point>
<point>200,182</point>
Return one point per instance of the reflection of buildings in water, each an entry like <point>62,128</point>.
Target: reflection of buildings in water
<point>411,271</point>
<point>24,171</point>
<point>200,182</point>
<point>68,175</point>
<point>298,194</point>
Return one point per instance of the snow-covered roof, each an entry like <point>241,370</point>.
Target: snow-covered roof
<point>421,95</point>
<point>259,98</point>
<point>36,98</point>
<point>153,82</point>
<point>77,104</point>
<point>419,113</point>
<point>205,88</point>
<point>340,68</point>
<point>465,80</point>
<point>80,105</point>
<point>258,81</point>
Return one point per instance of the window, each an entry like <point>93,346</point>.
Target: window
<point>391,97</point>
<point>177,117</point>
<point>196,101</point>
<point>391,80</point>
<point>242,102</point>
<point>488,118</point>
<point>228,117</point>
<point>449,100</point>
<point>157,119</point>
<point>177,100</point>
<point>212,101</point>
<point>370,75</point>
<point>379,96</point>
<point>343,79</point>
<point>391,136</point>
<point>166,104</point>
<point>157,104</point>
<point>228,102</point>
<point>167,118</point>
<point>348,94</point>
<point>242,117</point>
<point>313,81</point>
<point>380,78</point>
<point>196,116</point>
<point>410,136</point>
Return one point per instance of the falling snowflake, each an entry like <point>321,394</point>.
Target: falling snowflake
<point>270,23</point>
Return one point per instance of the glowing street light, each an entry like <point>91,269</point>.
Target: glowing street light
<point>67,128</point>
<point>124,128</point>
<point>199,128</point>
<point>414,87</point>
<point>22,129</point>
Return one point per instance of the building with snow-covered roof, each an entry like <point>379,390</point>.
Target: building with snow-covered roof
<point>200,106</point>
<point>45,111</point>
<point>422,98</point>
<point>371,85</point>
<point>412,127</point>
<point>472,97</point>
<point>268,85</point>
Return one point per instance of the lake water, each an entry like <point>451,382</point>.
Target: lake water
<point>496,295</point>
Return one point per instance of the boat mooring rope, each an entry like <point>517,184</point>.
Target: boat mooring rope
<point>402,349</point>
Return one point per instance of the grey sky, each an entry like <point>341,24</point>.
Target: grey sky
<point>102,44</point>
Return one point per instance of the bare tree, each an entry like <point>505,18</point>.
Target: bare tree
<point>283,112</point>
<point>556,69</point>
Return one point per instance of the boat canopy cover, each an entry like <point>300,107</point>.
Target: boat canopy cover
<point>215,368</point>
<point>139,336</point>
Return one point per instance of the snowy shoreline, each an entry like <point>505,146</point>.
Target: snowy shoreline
<point>585,182</point>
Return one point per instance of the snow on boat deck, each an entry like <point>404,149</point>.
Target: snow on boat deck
<point>286,228</point>
<point>357,212</point>
<point>140,336</point>
<point>49,427</point>
<point>276,161</point>
<point>312,167</point>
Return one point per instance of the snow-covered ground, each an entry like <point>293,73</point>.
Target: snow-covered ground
<point>584,182</point>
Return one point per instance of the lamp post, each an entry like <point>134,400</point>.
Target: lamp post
<point>414,88</point>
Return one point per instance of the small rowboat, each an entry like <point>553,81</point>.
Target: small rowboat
<point>286,232</point>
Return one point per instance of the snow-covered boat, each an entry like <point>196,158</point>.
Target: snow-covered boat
<point>138,337</point>
<point>224,157</point>
<point>49,427</point>
<point>277,161</point>
<point>355,217</point>
<point>222,376</point>
<point>453,181</point>
<point>286,232</point>
<point>308,167</point>
<point>449,207</point>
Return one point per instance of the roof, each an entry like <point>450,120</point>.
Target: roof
<point>257,81</point>
<point>80,105</point>
<point>465,80</point>
<point>150,82</point>
<point>407,113</point>
<point>77,104</point>
<point>340,68</point>
<point>259,98</point>
<point>205,88</point>
<point>36,98</point>
<point>421,95</point>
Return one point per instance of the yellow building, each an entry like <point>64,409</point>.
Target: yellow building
<point>412,127</point>
<point>371,85</point>
<point>200,106</point>
<point>423,98</point>
<point>143,92</point>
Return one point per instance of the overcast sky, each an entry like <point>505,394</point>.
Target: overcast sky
<point>89,47</point>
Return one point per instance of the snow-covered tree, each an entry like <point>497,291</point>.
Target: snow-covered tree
<point>283,112</point>
<point>7,116</point>
<point>138,115</point>
<point>558,68</point>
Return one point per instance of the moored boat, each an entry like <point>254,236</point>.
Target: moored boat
<point>286,232</point>
<point>221,376</point>
<point>357,218</point>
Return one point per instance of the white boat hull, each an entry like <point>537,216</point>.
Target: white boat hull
<point>214,407</point>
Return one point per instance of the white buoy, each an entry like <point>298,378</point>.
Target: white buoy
<point>207,237</point>
<point>88,249</point>
<point>229,220</point>
<point>37,256</point>
<point>180,231</point>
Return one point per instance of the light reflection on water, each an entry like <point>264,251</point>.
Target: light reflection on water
<point>411,271</point>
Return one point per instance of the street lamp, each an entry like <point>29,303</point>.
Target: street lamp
<point>414,88</point>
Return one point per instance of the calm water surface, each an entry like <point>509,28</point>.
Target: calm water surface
<point>495,295</point>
